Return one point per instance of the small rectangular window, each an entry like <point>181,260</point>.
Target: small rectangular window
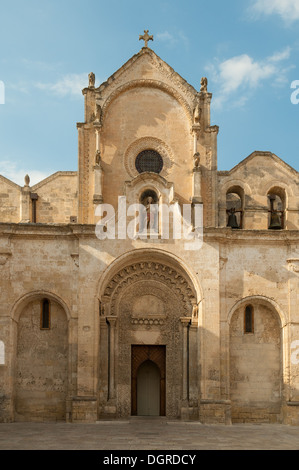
<point>248,320</point>
<point>45,314</point>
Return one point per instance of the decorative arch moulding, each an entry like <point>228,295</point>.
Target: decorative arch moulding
<point>146,83</point>
<point>149,270</point>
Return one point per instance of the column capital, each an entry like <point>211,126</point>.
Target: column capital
<point>185,321</point>
<point>112,320</point>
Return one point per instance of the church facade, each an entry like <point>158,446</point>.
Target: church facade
<point>148,282</point>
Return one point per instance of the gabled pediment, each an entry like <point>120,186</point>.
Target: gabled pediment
<point>146,65</point>
<point>7,182</point>
<point>261,161</point>
<point>147,70</point>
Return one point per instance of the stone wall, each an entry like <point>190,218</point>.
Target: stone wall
<point>10,201</point>
<point>41,365</point>
<point>256,368</point>
<point>71,265</point>
<point>57,198</point>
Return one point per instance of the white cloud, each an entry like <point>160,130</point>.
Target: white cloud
<point>288,10</point>
<point>283,55</point>
<point>242,74</point>
<point>166,36</point>
<point>13,172</point>
<point>71,84</point>
<point>173,39</point>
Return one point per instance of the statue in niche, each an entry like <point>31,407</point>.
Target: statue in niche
<point>149,214</point>
<point>98,112</point>
<point>195,311</point>
<point>98,157</point>
<point>196,160</point>
<point>204,85</point>
<point>150,221</point>
<point>91,78</point>
<point>196,114</point>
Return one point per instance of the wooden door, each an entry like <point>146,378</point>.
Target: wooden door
<point>148,389</point>
<point>148,380</point>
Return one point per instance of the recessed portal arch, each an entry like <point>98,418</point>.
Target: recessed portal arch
<point>148,302</point>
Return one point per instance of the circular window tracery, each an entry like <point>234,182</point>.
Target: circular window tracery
<point>149,160</point>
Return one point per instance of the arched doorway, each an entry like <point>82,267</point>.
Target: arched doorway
<point>147,306</point>
<point>148,380</point>
<point>148,389</point>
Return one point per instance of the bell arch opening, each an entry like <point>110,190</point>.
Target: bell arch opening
<point>276,198</point>
<point>235,207</point>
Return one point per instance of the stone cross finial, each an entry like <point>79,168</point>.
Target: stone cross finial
<point>146,37</point>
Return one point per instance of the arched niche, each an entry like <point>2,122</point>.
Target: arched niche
<point>276,201</point>
<point>41,359</point>
<point>235,207</point>
<point>256,386</point>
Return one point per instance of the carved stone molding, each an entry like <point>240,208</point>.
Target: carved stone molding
<point>75,258</point>
<point>4,257</point>
<point>293,264</point>
<point>150,271</point>
<point>222,262</point>
<point>149,321</point>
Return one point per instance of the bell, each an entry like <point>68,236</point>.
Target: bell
<point>275,222</point>
<point>232,220</point>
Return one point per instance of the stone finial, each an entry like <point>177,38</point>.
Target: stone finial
<point>27,180</point>
<point>91,78</point>
<point>146,37</point>
<point>204,85</point>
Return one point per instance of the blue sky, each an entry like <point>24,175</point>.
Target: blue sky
<point>248,49</point>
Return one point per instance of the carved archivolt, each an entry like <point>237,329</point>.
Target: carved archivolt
<point>149,271</point>
<point>145,83</point>
<point>148,143</point>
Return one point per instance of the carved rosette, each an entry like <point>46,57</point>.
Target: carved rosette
<point>146,143</point>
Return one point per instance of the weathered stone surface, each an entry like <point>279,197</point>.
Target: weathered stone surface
<point>107,296</point>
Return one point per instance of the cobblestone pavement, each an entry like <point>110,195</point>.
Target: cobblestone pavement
<point>147,434</point>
